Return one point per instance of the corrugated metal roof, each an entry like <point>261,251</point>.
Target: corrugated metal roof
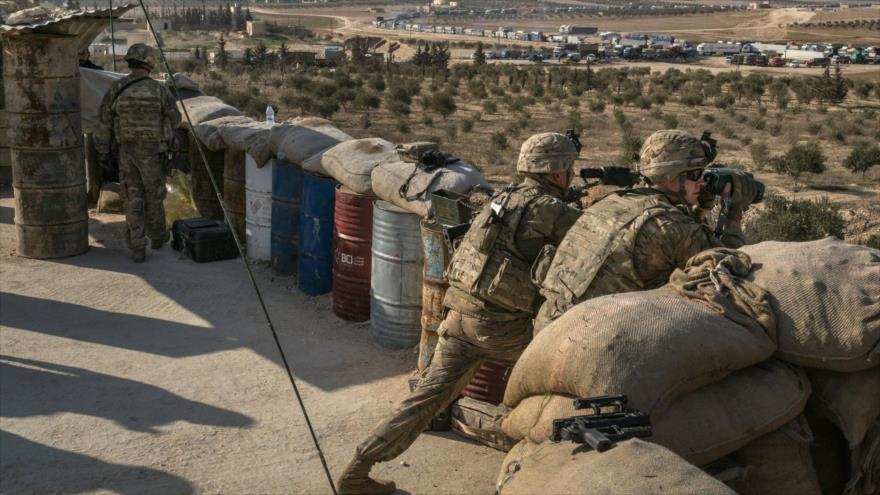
<point>84,25</point>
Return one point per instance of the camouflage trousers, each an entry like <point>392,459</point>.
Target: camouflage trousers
<point>464,343</point>
<point>142,183</point>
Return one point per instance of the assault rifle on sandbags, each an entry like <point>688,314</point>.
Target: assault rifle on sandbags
<point>610,422</point>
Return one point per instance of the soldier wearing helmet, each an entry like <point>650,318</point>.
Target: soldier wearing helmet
<point>634,239</point>
<point>490,302</point>
<point>136,123</point>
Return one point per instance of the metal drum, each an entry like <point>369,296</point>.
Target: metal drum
<point>489,383</point>
<point>41,86</point>
<point>287,192</point>
<point>233,189</point>
<point>258,216</point>
<point>396,281</point>
<point>432,316</point>
<point>437,250</point>
<point>203,194</point>
<point>352,239</point>
<point>314,264</point>
<point>5,158</point>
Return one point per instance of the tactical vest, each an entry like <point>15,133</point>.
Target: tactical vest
<point>488,265</point>
<point>604,236</point>
<point>138,116</point>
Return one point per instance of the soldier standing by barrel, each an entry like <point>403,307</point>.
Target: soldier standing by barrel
<point>138,115</point>
<point>490,301</point>
<point>634,239</point>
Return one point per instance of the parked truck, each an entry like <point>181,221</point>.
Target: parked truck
<point>718,48</point>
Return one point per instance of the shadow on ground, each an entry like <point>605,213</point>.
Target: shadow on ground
<point>22,459</point>
<point>28,383</point>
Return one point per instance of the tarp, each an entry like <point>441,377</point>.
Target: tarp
<point>92,87</point>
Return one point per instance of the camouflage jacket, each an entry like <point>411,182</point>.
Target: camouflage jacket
<point>490,273</point>
<point>631,240</point>
<point>144,114</point>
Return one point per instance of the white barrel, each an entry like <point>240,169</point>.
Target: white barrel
<point>258,215</point>
<point>396,277</point>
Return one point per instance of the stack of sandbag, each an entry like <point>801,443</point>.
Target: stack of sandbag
<point>352,162</point>
<point>632,467</point>
<point>722,357</point>
<point>204,108</point>
<point>408,186</point>
<point>303,140</point>
<point>239,133</point>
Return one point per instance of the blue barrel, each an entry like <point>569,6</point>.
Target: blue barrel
<point>315,260</point>
<point>287,190</point>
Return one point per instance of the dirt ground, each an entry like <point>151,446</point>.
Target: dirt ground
<point>762,25</point>
<point>162,378</point>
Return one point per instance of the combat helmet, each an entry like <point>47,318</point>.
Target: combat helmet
<point>139,52</point>
<point>668,153</point>
<point>546,153</point>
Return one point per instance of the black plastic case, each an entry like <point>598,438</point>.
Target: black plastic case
<point>203,239</point>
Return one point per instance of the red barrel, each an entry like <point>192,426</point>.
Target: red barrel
<point>489,383</point>
<point>352,262</point>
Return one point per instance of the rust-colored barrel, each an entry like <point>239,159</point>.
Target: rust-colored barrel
<point>42,101</point>
<point>352,260</point>
<point>489,383</point>
<point>432,316</point>
<point>437,246</point>
<point>203,194</point>
<point>233,189</point>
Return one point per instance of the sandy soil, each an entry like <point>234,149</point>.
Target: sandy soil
<point>162,378</point>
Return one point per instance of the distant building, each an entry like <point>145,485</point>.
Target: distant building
<point>256,28</point>
<point>759,5</point>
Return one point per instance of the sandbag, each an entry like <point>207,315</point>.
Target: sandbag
<point>251,137</point>
<point>849,400</point>
<point>395,182</point>
<point>204,108</point>
<point>302,138</point>
<point>209,134</point>
<point>702,426</point>
<point>351,162</point>
<point>239,133</point>
<point>653,346</point>
<point>826,296</point>
<point>632,467</point>
<point>779,462</point>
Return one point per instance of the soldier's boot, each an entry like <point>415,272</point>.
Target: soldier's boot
<point>158,243</point>
<point>138,255</point>
<point>355,480</point>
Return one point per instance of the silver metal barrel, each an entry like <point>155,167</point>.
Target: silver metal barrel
<point>41,79</point>
<point>396,278</point>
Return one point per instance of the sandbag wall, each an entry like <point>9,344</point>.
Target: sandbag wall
<point>794,347</point>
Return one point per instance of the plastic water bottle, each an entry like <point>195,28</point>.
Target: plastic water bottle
<point>270,114</point>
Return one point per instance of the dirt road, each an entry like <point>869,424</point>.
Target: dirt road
<point>162,378</point>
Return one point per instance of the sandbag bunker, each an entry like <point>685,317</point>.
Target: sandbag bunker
<point>759,368</point>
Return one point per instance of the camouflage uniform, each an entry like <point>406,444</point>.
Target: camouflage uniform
<point>490,304</point>
<point>140,122</point>
<point>630,240</point>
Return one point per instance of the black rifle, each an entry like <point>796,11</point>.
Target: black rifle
<point>611,176</point>
<point>610,422</point>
